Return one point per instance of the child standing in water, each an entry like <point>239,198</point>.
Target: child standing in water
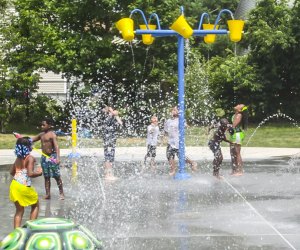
<point>239,124</point>
<point>215,145</point>
<point>111,121</point>
<point>50,165</point>
<point>21,192</point>
<point>152,140</point>
<point>171,129</point>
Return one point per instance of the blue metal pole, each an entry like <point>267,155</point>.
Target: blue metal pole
<point>181,174</point>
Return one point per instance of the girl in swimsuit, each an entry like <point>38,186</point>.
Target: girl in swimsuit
<point>237,134</point>
<point>21,192</point>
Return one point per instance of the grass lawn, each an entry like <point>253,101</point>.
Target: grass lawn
<point>275,135</point>
<point>272,135</point>
<point>281,136</point>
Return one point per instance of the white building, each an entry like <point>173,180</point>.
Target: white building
<point>53,85</point>
<point>245,6</point>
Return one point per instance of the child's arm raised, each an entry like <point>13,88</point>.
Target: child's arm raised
<point>119,120</point>
<point>115,113</point>
<point>36,138</point>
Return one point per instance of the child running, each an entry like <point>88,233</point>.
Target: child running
<point>152,140</point>
<point>21,192</point>
<point>50,164</point>
<point>215,145</point>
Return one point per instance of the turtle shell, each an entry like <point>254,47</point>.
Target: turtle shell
<point>51,234</point>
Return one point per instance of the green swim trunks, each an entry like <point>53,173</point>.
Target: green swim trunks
<point>50,169</point>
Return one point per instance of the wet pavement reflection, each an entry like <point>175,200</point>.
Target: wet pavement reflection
<point>146,210</point>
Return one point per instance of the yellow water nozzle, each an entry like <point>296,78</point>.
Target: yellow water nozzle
<point>182,27</point>
<point>210,38</point>
<point>125,26</point>
<point>74,133</point>
<point>235,29</point>
<point>147,38</point>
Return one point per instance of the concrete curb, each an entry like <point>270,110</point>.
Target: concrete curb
<point>195,153</point>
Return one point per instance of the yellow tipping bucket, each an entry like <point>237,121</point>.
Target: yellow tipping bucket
<point>147,38</point>
<point>235,29</point>
<point>125,26</point>
<point>211,37</point>
<point>182,27</point>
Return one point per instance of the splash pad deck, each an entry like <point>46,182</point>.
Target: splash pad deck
<point>144,211</point>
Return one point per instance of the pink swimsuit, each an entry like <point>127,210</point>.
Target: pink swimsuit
<point>22,177</point>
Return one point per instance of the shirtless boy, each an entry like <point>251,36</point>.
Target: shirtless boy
<point>50,164</point>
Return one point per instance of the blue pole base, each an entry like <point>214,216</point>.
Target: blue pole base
<point>182,176</point>
<point>74,155</point>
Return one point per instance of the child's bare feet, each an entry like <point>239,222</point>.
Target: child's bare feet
<point>153,170</point>
<point>218,176</point>
<point>47,197</point>
<point>194,166</point>
<point>61,196</point>
<point>237,174</point>
<point>172,173</point>
<point>110,178</point>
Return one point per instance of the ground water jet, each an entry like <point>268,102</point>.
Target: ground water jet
<point>277,115</point>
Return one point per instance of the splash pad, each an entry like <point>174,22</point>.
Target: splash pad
<point>182,30</point>
<point>142,212</point>
<point>145,211</point>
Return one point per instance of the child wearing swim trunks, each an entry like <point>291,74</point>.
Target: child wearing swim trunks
<point>50,164</point>
<point>21,191</point>
<point>152,141</point>
<point>171,129</point>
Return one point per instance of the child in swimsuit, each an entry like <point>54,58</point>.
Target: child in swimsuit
<point>171,129</point>
<point>237,134</point>
<point>215,145</point>
<point>152,141</point>
<point>50,164</point>
<point>111,121</point>
<point>21,192</point>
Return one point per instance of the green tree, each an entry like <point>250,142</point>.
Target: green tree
<point>200,102</point>
<point>233,80</point>
<point>294,91</point>
<point>17,79</point>
<point>78,39</point>
<point>271,42</point>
